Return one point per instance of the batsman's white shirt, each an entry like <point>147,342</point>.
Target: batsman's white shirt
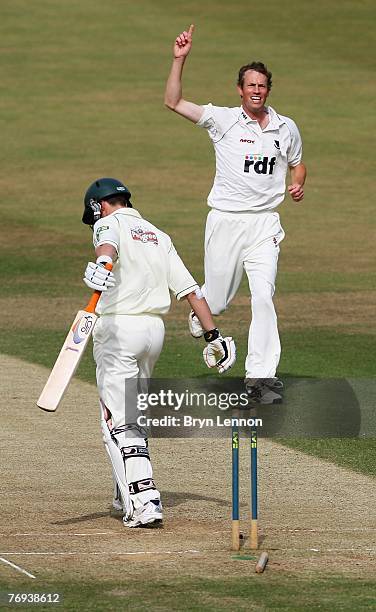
<point>147,268</point>
<point>251,163</point>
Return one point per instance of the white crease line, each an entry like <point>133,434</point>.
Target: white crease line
<point>174,552</point>
<point>183,552</point>
<point>16,567</point>
<point>99,533</point>
<point>140,552</point>
<point>31,534</point>
<point>272,549</point>
<point>304,530</point>
<point>355,550</point>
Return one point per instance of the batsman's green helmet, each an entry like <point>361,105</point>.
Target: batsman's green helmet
<point>101,189</point>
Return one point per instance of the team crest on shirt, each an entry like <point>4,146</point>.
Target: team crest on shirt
<point>139,233</point>
<point>101,229</point>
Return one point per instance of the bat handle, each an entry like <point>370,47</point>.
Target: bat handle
<point>92,304</point>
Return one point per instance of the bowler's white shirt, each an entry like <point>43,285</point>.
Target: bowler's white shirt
<point>147,268</point>
<point>251,163</point>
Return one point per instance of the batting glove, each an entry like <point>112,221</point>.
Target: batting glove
<point>220,352</point>
<point>97,277</point>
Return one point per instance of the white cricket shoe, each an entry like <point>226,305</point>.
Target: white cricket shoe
<point>195,325</point>
<point>150,514</point>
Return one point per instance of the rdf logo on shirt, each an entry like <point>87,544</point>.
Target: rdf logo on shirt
<point>261,165</point>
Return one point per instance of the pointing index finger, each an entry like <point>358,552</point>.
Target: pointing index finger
<point>191,30</point>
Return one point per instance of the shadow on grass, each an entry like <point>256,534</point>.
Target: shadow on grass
<point>170,500</point>
<point>310,408</point>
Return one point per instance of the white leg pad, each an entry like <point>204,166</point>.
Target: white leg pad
<point>138,468</point>
<point>118,468</point>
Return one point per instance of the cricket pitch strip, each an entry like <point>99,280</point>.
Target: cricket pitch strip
<point>56,507</point>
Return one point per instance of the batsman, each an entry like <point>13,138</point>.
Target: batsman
<point>255,147</point>
<point>129,335</point>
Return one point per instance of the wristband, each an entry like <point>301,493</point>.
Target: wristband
<point>102,260</point>
<point>212,335</point>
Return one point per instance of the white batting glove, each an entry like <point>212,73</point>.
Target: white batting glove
<point>220,353</point>
<point>97,277</point>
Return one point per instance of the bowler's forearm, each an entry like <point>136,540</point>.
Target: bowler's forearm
<point>298,174</point>
<point>173,93</point>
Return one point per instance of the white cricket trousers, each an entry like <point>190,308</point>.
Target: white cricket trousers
<point>126,348</point>
<point>246,241</point>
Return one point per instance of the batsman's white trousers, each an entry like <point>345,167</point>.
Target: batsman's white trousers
<point>246,241</point>
<point>126,349</point>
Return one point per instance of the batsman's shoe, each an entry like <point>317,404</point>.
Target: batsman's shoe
<point>275,383</point>
<point>195,325</point>
<point>149,515</point>
<point>264,390</point>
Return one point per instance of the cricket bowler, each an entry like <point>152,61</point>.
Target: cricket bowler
<point>254,148</point>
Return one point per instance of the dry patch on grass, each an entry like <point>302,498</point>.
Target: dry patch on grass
<point>328,260</point>
<point>328,241</point>
<point>40,313</point>
<point>354,311</point>
<point>31,238</point>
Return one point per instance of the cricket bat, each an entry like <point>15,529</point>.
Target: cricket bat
<point>70,355</point>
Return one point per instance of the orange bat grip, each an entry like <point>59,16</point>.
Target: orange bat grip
<point>96,295</point>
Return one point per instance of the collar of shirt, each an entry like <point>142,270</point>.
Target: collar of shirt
<point>275,120</point>
<point>127,211</point>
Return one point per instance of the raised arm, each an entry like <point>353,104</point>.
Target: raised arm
<point>173,94</point>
